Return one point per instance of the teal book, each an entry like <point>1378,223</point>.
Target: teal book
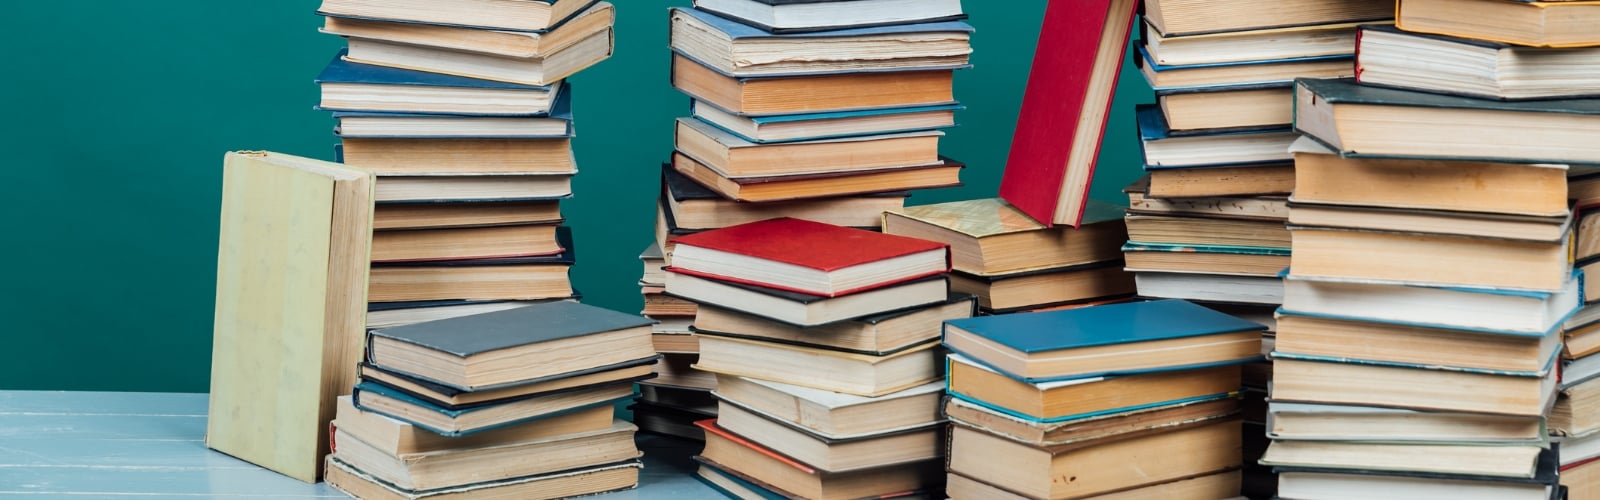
<point>1116,339</point>
<point>1360,121</point>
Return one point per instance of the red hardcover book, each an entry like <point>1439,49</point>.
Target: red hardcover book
<point>1064,111</point>
<point>807,257</point>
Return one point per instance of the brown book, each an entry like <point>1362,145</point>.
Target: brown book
<point>677,370</point>
<point>1221,181</point>
<point>803,187</point>
<point>1207,231</point>
<point>736,157</point>
<point>1347,339</point>
<point>1089,429</point>
<point>1577,409</point>
<point>465,243</point>
<point>1323,177</point>
<point>1297,380</point>
<point>1172,18</point>
<point>1224,108</point>
<point>1430,258</point>
<point>485,282</point>
<point>443,215</point>
<point>801,94</point>
<point>1046,287</point>
<point>388,157</point>
<point>1254,206</point>
<point>492,462</point>
<point>844,372</point>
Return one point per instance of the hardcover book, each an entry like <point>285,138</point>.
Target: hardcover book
<point>514,15</point>
<point>555,124</point>
<point>990,237</point>
<point>739,49</point>
<point>347,86</point>
<point>808,257</point>
<point>801,16</point>
<point>1389,57</point>
<point>1558,23</point>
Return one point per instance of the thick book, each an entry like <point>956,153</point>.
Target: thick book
<point>510,15</point>
<point>465,465</point>
<point>1559,23</point>
<point>395,437</point>
<point>1486,310</point>
<point>828,453</point>
<point>843,372</point>
<point>808,257</point>
<point>785,95</point>
<point>1350,382</point>
<point>556,124</point>
<point>540,70</point>
<point>1179,18</point>
<point>743,50</point>
<point>1316,482</point>
<point>1092,427</point>
<point>990,237</point>
<point>1389,57</point>
<point>1116,339</point>
<point>1431,259</point>
<point>1092,282</point>
<point>1385,341</point>
<point>1065,108</point>
<point>512,278</point>
<point>801,16</point>
<point>1444,459</point>
<point>1084,398</point>
<point>1362,121</point>
<point>347,86</point>
<point>284,348</point>
<point>1327,422</point>
<point>833,415</point>
<point>1265,44</point>
<point>549,339</point>
<point>1322,176</point>
<point>807,310</point>
<point>1231,107</point>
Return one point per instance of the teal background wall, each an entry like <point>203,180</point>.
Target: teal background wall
<point>117,114</point>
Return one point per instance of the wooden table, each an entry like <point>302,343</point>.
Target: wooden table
<point>83,445</point>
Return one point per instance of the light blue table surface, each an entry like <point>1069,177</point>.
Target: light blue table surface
<point>83,445</point>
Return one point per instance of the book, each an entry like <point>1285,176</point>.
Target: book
<point>396,437</point>
<point>1129,338</point>
<point>1293,42</point>
<point>1174,18</point>
<point>733,486</point>
<point>556,124</point>
<point>813,126</point>
<point>1065,108</point>
<point>455,157</point>
<point>1537,24</point>
<point>1313,379</point>
<point>677,370</point>
<point>1090,427</point>
<point>876,335</point>
<point>529,15</point>
<point>1165,148</point>
<point>800,187</point>
<point>1389,57</point>
<point>392,314</point>
<point>474,188</point>
<point>1218,485</point>
<point>1043,287</point>
<point>1400,343</point>
<point>538,70</point>
<point>1207,231</point>
<point>595,480</point>
<point>1432,259</point>
<point>1574,411</point>
<point>284,349</point>
<point>832,261</point>
<point>493,462</point>
<point>1326,422</point>
<point>1407,124</point>
<point>833,415</point>
<point>1232,74</point>
<point>804,310</point>
<point>1200,286</point>
<point>520,278</point>
<point>739,49</point>
<point>540,341</point>
<point>1274,207</point>
<point>1403,220</point>
<point>1100,467</point>
<point>654,262</point>
<point>452,398</point>
<point>1234,107</point>
<point>453,422</point>
<point>735,157</point>
<point>1197,186</point>
<point>658,304</point>
<point>1581,339</point>
<point>990,237</point>
<point>594,17</point>
<point>1492,461</point>
<point>465,214</point>
<point>526,240</point>
<point>1078,399</point>
<point>1322,176</point>
<point>784,16</point>
<point>695,206</point>
<point>347,86</point>
<point>1533,314</point>
<point>787,95</point>
<point>842,372</point>
<point>667,420</point>
<point>758,464</point>
<point>1211,259</point>
<point>828,453</point>
<point>1316,482</point>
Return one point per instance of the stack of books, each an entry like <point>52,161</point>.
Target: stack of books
<point>824,342</point>
<point>1131,400</point>
<point>508,404</point>
<point>465,115</point>
<point>1014,264</point>
<point>680,396</point>
<point>1420,342</point>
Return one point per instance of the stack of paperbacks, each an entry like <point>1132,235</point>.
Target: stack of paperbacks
<point>1131,400</point>
<point>828,111</point>
<point>507,404</point>
<point>824,342</point>
<point>1207,221</point>
<point>1420,344</point>
<point>464,112</point>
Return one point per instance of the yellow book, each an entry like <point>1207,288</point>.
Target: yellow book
<point>291,306</point>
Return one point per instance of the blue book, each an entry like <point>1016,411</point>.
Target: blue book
<point>1167,149</point>
<point>778,129</point>
<point>399,405</point>
<point>556,124</point>
<point>1116,339</point>
<point>349,86</point>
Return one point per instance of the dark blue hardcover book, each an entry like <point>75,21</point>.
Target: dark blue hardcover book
<point>374,388</point>
<point>1153,128</point>
<point>341,71</point>
<point>523,326</point>
<point>560,110</point>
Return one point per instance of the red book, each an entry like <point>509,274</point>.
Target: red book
<point>1064,111</point>
<point>808,257</point>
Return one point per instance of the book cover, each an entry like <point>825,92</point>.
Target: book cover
<point>986,217</point>
<point>1057,141</point>
<point>285,348</point>
<point>1112,324</point>
<point>813,245</point>
<point>512,328</point>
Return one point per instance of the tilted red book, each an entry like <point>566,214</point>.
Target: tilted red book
<point>822,253</point>
<point>1065,108</point>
